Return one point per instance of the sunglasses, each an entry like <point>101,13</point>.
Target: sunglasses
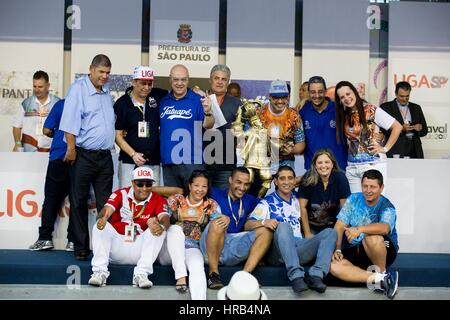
<point>144,184</point>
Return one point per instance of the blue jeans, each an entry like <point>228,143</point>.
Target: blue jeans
<point>236,247</point>
<point>295,253</point>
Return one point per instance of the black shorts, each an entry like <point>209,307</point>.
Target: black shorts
<point>358,257</point>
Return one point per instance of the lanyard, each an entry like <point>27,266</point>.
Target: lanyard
<point>139,107</point>
<point>133,206</point>
<point>236,221</point>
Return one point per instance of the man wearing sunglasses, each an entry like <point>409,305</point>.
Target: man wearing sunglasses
<point>319,123</point>
<point>130,229</point>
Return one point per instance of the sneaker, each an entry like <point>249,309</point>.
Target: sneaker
<point>390,284</point>
<point>214,281</point>
<point>315,283</point>
<point>42,245</point>
<point>98,279</point>
<point>299,285</point>
<point>70,246</point>
<point>141,281</point>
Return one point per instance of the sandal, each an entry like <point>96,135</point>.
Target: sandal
<point>181,288</point>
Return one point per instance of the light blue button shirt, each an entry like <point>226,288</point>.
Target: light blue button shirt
<point>89,115</point>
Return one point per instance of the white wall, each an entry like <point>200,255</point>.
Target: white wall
<point>418,189</point>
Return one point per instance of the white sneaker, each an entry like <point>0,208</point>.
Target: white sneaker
<point>141,281</point>
<point>70,247</point>
<point>98,279</point>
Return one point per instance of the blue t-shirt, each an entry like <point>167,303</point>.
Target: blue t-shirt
<point>59,147</point>
<point>248,205</point>
<point>323,205</point>
<point>320,132</point>
<point>181,129</point>
<point>357,213</point>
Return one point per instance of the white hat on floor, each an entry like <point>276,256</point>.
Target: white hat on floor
<point>242,286</point>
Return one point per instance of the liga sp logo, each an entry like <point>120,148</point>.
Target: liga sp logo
<point>184,33</point>
<point>422,80</point>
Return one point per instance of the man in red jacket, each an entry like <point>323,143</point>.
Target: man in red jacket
<point>130,229</point>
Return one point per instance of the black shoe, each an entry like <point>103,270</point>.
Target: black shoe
<point>214,281</point>
<point>315,283</point>
<point>299,285</point>
<point>81,255</point>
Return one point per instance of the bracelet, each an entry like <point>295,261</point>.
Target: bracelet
<point>208,114</point>
<point>163,227</point>
<point>262,222</point>
<point>19,143</point>
<point>338,251</point>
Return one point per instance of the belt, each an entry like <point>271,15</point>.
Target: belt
<point>99,151</point>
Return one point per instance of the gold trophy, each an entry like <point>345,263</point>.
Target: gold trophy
<point>256,152</point>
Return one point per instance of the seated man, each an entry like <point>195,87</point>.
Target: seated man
<point>280,212</point>
<point>231,246</point>
<point>135,233</point>
<point>368,220</point>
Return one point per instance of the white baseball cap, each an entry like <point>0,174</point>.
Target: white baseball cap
<point>143,173</point>
<point>143,73</point>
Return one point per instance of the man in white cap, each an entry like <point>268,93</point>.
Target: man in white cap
<point>242,286</point>
<point>130,229</point>
<point>137,125</point>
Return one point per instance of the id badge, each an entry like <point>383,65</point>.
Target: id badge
<point>143,129</point>
<point>40,126</point>
<point>130,232</point>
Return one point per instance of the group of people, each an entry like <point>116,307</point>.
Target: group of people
<point>217,213</point>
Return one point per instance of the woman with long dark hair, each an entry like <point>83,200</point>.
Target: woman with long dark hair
<point>191,211</point>
<point>360,122</point>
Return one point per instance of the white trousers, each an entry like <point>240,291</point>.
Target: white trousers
<point>184,260</point>
<point>354,173</point>
<point>109,246</point>
<point>126,171</point>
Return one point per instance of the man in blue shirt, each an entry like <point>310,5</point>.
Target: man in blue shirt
<point>88,122</point>
<point>57,182</point>
<point>183,115</point>
<point>319,124</point>
<point>233,245</point>
<point>371,243</point>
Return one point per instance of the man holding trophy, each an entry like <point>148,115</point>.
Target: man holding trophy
<point>274,137</point>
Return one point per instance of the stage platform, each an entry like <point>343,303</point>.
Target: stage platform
<point>58,267</point>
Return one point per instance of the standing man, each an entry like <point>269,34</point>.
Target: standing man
<point>29,121</point>
<point>134,234</point>
<point>233,245</point>
<point>218,164</point>
<point>137,115</point>
<point>280,213</point>
<point>183,115</point>
<point>57,183</point>
<point>368,221</point>
<point>319,123</point>
<point>411,117</point>
<point>88,123</point>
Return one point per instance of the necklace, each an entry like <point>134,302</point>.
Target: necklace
<point>236,220</point>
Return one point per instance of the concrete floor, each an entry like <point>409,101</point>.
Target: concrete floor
<point>85,292</point>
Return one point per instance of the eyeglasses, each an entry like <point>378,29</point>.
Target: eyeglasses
<point>182,80</point>
<point>144,184</point>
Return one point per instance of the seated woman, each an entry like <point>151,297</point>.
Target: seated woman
<point>323,191</point>
<point>190,212</point>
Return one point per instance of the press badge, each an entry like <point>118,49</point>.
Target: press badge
<point>143,129</point>
<point>40,125</point>
<point>130,232</point>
